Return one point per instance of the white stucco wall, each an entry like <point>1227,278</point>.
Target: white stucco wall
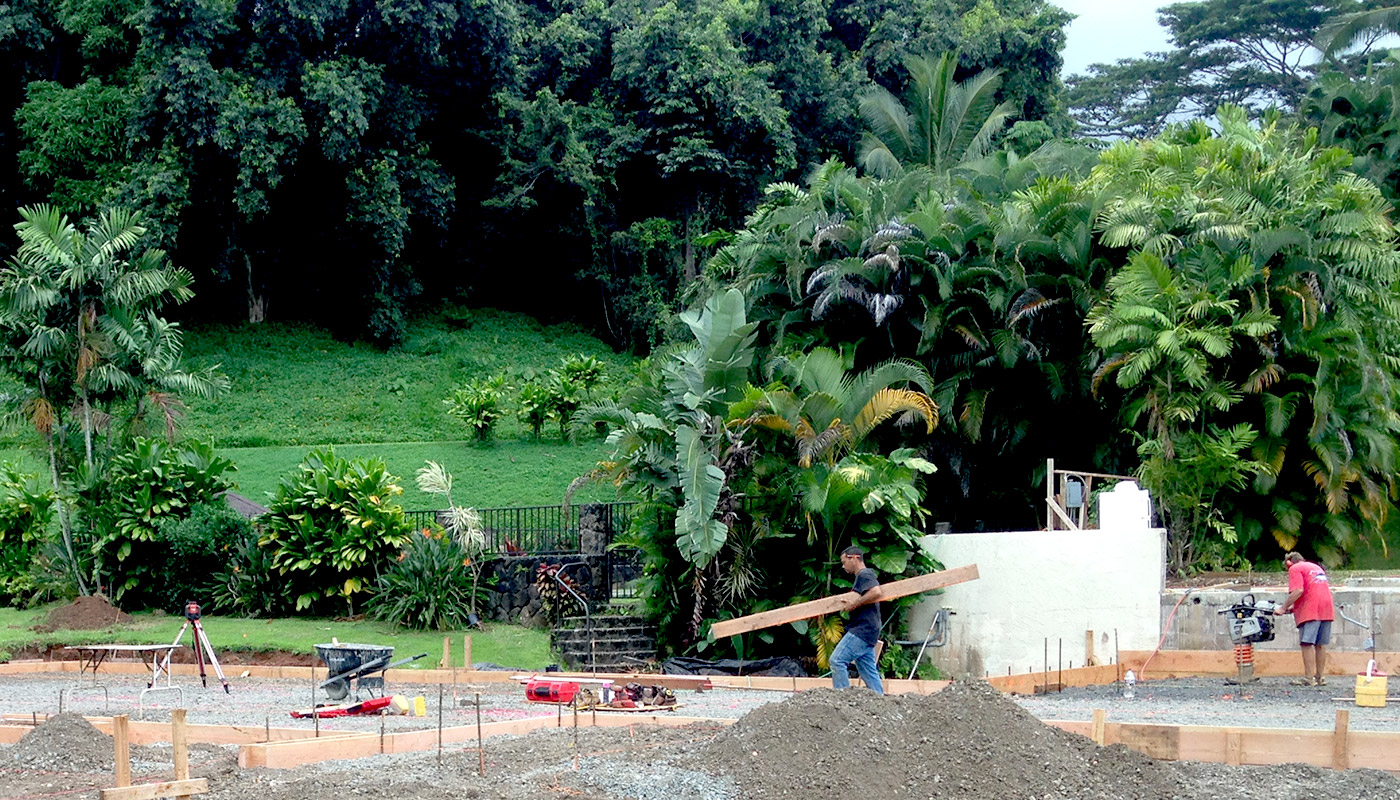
<point>1046,584</point>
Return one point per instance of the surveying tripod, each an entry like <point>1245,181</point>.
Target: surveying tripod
<point>201,646</point>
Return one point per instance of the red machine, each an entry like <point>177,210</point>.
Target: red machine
<point>538,691</point>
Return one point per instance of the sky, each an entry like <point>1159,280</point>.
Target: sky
<point>1107,30</point>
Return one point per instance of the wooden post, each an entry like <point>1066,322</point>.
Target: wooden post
<point>179,745</point>
<point>467,651</point>
<point>1100,717</point>
<point>1340,757</point>
<point>121,737</point>
<point>1234,748</point>
<point>446,652</point>
<point>1089,659</point>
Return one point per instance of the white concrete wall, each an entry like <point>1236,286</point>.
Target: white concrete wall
<point>1046,584</point>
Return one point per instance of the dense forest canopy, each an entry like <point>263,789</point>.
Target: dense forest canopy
<point>340,161</point>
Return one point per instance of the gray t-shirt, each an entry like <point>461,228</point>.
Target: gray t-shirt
<point>865,621</point>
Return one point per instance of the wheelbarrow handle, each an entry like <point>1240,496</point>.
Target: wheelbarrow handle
<point>406,660</point>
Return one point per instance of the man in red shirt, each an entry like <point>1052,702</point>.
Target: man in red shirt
<point>1310,600</point>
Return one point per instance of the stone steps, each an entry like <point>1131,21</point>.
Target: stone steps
<point>615,642</point>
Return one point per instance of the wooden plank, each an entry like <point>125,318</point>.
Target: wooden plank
<point>1100,718</point>
<point>1026,683</point>
<point>1267,663</point>
<point>151,732</point>
<point>835,603</point>
<point>1250,746</point>
<point>151,791</point>
<point>1157,741</point>
<point>179,746</point>
<point>1339,739</point>
<point>121,739</point>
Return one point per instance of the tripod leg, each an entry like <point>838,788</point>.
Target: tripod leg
<point>165,663</point>
<point>199,654</point>
<point>213,659</point>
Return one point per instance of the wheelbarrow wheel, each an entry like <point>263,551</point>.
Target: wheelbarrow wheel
<point>338,689</point>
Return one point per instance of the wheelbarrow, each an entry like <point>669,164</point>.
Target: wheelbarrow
<point>357,662</point>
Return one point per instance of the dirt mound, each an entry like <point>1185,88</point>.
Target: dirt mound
<point>967,741</point>
<point>62,743</point>
<point>84,614</point>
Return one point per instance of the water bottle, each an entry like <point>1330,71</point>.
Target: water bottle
<point>1129,685</point>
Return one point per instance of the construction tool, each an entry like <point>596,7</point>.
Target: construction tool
<point>1250,621</point>
<point>201,646</point>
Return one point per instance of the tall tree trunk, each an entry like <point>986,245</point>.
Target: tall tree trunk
<point>87,427</point>
<point>688,249</point>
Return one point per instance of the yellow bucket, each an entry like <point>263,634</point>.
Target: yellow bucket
<point>1370,688</point>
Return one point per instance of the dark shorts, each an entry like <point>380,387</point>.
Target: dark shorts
<point>1315,632</point>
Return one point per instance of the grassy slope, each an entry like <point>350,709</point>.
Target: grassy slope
<point>296,385</point>
<point>510,645</point>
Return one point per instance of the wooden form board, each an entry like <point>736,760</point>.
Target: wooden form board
<point>17,725</point>
<point>1030,682</point>
<point>1267,663</point>
<point>285,755</point>
<point>836,603</point>
<point>1339,749</point>
<point>151,791</point>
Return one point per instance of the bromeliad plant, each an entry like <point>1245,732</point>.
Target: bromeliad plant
<point>430,587</point>
<point>332,528</point>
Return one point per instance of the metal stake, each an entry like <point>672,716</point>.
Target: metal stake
<point>480,751</point>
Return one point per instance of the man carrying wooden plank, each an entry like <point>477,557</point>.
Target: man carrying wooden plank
<point>863,629</point>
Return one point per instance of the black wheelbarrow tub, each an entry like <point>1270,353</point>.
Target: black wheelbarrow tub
<point>351,658</point>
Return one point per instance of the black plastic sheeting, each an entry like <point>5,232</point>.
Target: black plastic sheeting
<point>780,667</point>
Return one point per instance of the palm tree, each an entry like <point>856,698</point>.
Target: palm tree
<point>941,123</point>
<point>79,326</point>
<point>1368,26</point>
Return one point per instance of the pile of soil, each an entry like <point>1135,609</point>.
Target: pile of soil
<point>84,614</point>
<point>62,743</point>
<point>971,742</point>
<point>968,741</point>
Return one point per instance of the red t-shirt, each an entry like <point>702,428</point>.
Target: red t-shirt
<point>1316,601</point>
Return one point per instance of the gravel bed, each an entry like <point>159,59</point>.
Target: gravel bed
<point>1269,703</point>
<point>265,701</point>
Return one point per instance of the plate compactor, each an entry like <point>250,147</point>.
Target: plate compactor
<point>1250,621</point>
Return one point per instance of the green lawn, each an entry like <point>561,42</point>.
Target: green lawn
<point>508,645</point>
<point>504,474</point>
<point>295,384</point>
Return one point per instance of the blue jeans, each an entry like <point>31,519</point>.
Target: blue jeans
<point>853,648</point>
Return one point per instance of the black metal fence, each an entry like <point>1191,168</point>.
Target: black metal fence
<point>553,530</point>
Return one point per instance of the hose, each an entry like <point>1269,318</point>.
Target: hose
<point>1142,673</point>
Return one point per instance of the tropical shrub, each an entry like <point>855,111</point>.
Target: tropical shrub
<point>26,512</point>
<point>249,585</point>
<point>124,503</point>
<point>196,549</point>
<point>430,587</point>
<point>332,527</point>
<point>532,406</point>
<point>478,404</point>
